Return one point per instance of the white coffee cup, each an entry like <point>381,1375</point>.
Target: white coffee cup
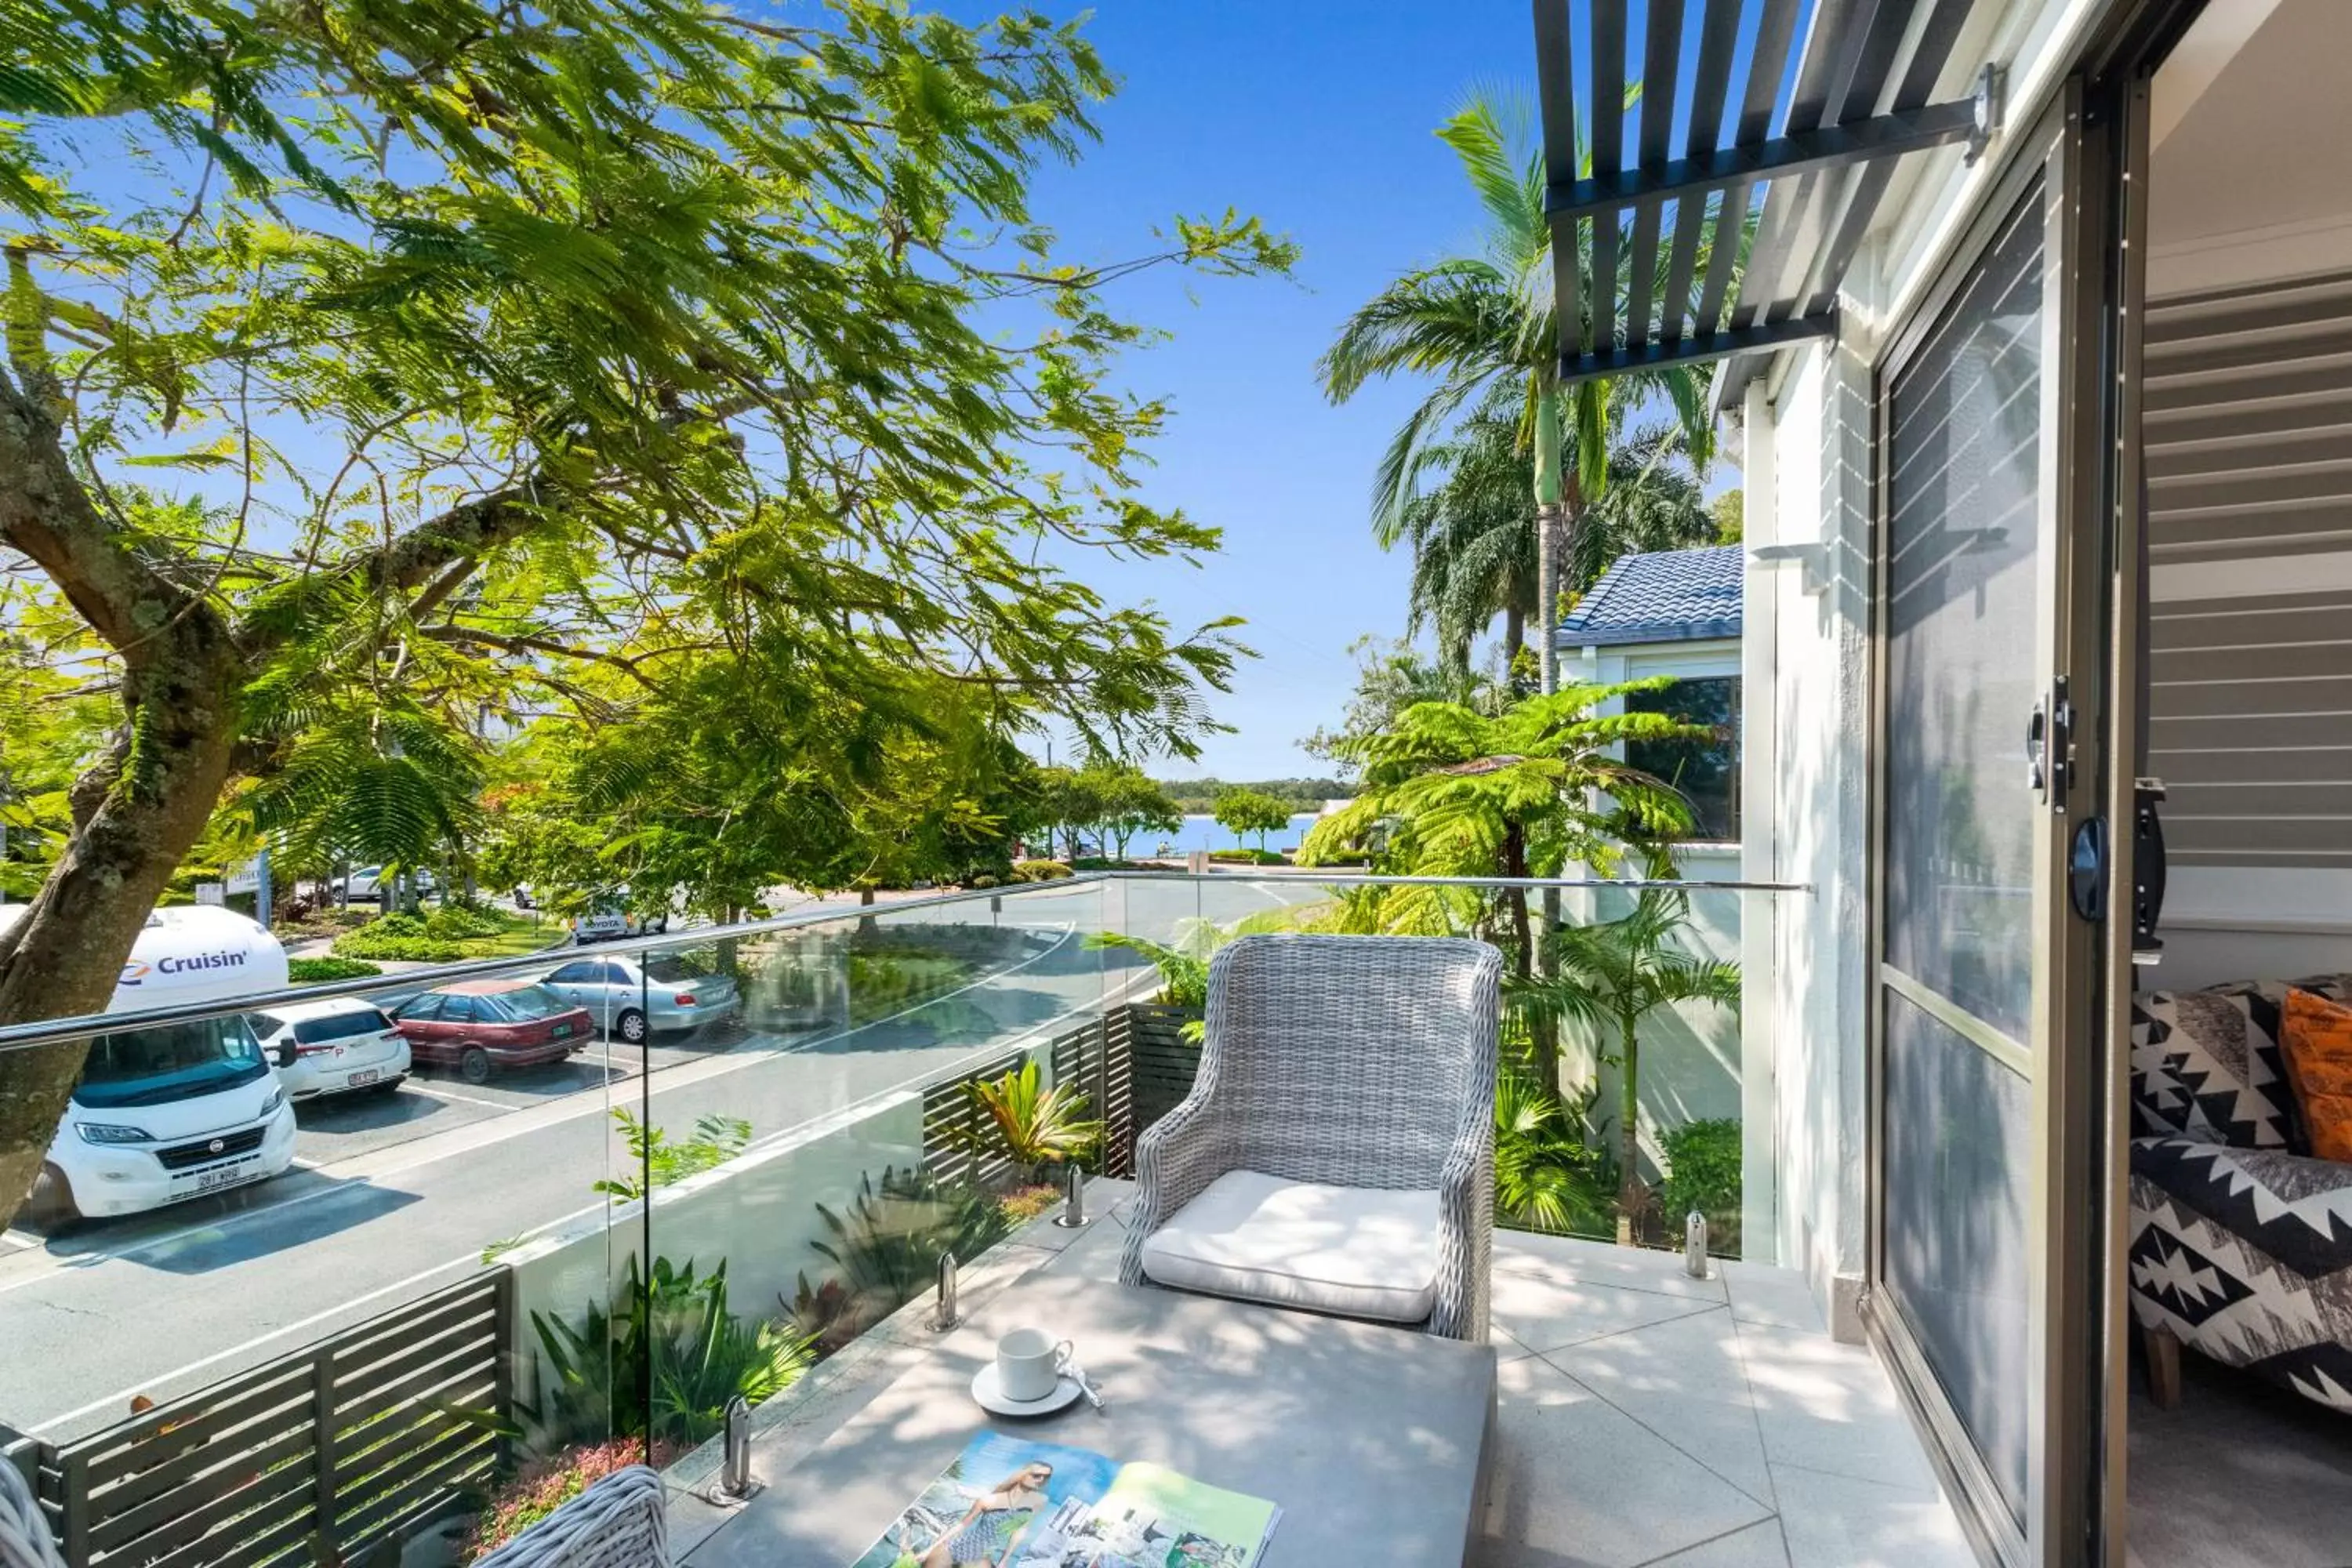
<point>1029,1364</point>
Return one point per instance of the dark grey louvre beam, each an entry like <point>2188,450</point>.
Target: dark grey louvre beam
<point>1802,152</point>
<point>1696,350</point>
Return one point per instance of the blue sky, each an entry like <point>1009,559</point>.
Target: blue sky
<point>1318,117</point>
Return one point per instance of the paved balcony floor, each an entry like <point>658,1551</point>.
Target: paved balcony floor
<point>1648,1419</point>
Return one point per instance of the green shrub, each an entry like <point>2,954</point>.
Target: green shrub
<point>458,922</point>
<point>983,880</point>
<point>700,1354</point>
<point>319,970</point>
<point>1702,1173</point>
<point>1248,857</point>
<point>403,939</point>
<point>1040,871</point>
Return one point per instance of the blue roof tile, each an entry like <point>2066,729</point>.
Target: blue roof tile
<point>1674,595</point>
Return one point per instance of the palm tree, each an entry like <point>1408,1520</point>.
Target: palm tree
<point>1613,974</point>
<point>1485,323</point>
<point>1473,537</point>
<point>1544,1176</point>
<point>1654,502</point>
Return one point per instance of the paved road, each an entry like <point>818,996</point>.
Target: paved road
<point>398,1194</point>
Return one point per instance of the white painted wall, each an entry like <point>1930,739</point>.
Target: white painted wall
<point>1808,592</point>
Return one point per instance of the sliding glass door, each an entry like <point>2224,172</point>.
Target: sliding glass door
<point>1987,675</point>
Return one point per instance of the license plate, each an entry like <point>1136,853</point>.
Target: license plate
<point>364,1076</point>
<point>561,1031</point>
<point>228,1175</point>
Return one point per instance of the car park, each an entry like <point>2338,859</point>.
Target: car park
<point>173,1112</point>
<point>340,1046</point>
<point>482,1026</point>
<point>634,996</point>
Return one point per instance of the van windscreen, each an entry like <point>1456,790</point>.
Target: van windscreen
<point>177,1061</point>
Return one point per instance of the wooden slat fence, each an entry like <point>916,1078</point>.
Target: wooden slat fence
<point>1134,1065</point>
<point>318,1458</point>
<point>952,1146</point>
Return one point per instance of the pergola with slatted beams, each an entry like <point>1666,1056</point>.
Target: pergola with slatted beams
<point>1663,226</point>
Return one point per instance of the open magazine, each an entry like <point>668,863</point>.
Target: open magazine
<point>1010,1503</point>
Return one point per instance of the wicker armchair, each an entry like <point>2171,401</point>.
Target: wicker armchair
<point>25,1541</point>
<point>1360,1063</point>
<point>621,1522</point>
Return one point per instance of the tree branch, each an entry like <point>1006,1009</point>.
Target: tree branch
<point>46,515</point>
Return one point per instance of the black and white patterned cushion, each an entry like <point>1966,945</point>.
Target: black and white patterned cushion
<point>2245,1254</point>
<point>2206,1064</point>
<point>2242,1243</point>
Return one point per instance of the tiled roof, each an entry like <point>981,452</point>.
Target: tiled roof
<point>1674,595</point>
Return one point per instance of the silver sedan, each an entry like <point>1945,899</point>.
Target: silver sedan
<point>632,997</point>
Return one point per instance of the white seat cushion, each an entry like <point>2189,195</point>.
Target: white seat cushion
<point>1353,1251</point>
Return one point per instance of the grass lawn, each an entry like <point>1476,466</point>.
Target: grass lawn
<point>525,934</point>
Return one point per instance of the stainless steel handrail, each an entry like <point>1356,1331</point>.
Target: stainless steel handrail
<point>55,1031</point>
<point>1242,873</point>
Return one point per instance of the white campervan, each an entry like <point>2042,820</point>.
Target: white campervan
<point>166,1113</point>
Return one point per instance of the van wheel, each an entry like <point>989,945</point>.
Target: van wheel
<point>631,1027</point>
<point>474,1065</point>
<point>51,1205</point>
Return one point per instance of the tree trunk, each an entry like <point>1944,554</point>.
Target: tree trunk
<point>1543,1035</point>
<point>1629,1127</point>
<point>1514,638</point>
<point>136,815</point>
<point>1548,526</point>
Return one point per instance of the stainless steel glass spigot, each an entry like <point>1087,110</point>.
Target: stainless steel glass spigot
<point>1074,1210</point>
<point>735,1474</point>
<point>947,1317</point>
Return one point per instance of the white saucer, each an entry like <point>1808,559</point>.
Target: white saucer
<point>983,1388</point>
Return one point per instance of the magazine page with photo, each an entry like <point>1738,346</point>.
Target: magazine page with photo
<point>1007,1502</point>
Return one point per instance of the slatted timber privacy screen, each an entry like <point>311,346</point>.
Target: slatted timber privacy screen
<point>317,1458</point>
<point>1134,1065</point>
<point>953,1146</point>
<point>2247,433</point>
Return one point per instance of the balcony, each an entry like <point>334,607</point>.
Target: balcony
<point>465,1297</point>
<point>1644,1416</point>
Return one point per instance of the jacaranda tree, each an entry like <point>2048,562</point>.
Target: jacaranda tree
<point>440,353</point>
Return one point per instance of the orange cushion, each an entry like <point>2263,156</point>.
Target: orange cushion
<point>2317,1044</point>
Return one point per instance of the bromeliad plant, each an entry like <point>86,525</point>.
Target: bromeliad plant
<point>1035,1127</point>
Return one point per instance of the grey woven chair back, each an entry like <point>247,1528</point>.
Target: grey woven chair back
<point>1352,1056</point>
<point>25,1540</point>
<point>620,1521</point>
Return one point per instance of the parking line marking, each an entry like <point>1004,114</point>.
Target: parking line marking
<point>427,1089</point>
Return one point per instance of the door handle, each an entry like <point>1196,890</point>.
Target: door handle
<point>2147,871</point>
<point>2050,747</point>
<point>2037,750</point>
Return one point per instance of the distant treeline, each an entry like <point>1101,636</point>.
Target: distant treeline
<point>1197,796</point>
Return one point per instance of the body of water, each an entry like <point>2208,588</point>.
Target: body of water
<point>1202,833</point>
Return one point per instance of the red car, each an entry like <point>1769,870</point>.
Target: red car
<point>481,1025</point>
